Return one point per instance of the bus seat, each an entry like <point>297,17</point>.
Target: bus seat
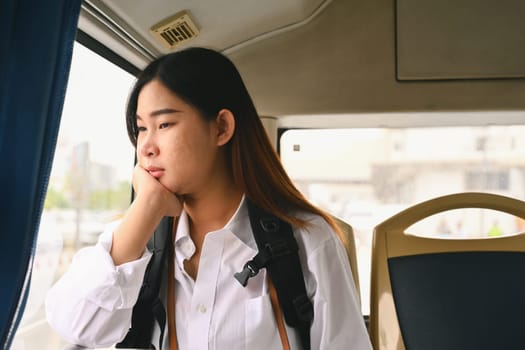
<point>349,244</point>
<point>431,293</point>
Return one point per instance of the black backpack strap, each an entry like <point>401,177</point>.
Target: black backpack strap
<point>149,307</point>
<point>278,254</point>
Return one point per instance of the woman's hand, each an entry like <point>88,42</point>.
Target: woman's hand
<point>152,202</point>
<point>150,189</point>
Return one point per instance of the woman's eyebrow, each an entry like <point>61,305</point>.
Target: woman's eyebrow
<point>161,112</point>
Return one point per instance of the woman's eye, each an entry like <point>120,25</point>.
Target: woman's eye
<point>164,125</point>
<point>141,128</point>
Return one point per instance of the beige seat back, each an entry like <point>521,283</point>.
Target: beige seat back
<point>436,294</point>
<point>349,244</point>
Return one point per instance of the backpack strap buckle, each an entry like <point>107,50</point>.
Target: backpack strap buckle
<point>250,269</point>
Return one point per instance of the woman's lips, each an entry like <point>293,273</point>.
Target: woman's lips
<point>155,172</point>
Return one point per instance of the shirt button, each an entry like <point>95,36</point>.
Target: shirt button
<point>201,308</point>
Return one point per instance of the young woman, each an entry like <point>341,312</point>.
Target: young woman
<point>202,152</point>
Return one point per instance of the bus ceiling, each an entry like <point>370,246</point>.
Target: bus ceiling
<point>305,57</point>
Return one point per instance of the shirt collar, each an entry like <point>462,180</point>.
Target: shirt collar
<point>183,245</point>
<point>238,225</point>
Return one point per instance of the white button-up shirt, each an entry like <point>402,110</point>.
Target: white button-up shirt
<point>91,304</point>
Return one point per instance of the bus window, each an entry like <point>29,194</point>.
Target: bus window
<point>468,223</point>
<point>364,176</point>
<point>89,184</point>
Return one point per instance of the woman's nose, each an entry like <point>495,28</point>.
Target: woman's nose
<point>148,147</point>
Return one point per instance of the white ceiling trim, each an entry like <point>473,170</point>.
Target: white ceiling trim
<point>403,120</point>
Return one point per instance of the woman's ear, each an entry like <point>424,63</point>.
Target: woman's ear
<point>225,126</point>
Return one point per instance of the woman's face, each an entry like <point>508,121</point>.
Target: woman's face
<point>174,143</point>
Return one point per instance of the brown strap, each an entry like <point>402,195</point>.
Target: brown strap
<point>172,331</point>
<point>278,315</point>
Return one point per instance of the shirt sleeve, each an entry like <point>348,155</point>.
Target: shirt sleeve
<point>91,303</point>
<point>338,322</point>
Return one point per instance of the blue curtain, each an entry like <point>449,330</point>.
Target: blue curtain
<point>36,42</point>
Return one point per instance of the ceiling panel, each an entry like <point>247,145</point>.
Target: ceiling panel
<point>222,24</point>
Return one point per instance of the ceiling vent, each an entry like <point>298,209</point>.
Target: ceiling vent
<point>175,30</point>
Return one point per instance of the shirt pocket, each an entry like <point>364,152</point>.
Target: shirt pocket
<point>260,327</point>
